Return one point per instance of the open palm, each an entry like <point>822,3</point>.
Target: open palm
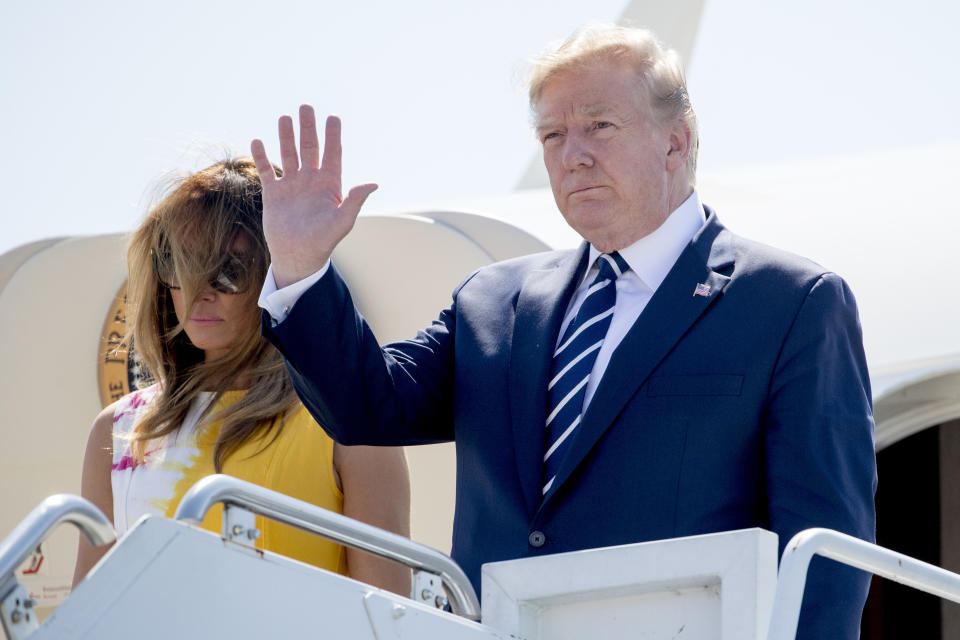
<point>304,213</point>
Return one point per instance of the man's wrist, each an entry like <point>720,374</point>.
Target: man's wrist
<point>288,272</point>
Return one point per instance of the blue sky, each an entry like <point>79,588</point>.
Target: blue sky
<point>100,100</point>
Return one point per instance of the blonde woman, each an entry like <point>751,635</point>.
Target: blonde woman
<point>221,400</point>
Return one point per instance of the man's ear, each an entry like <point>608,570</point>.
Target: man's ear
<point>679,148</point>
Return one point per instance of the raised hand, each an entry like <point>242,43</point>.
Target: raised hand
<point>304,213</point>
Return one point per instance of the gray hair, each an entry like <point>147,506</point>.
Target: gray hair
<point>659,71</point>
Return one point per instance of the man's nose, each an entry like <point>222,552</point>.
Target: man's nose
<point>576,152</point>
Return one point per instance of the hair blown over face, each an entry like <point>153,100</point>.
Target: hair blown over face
<point>209,224</point>
<point>659,72</point>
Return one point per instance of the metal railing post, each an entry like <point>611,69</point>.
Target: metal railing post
<point>47,516</point>
<point>856,553</point>
<point>334,526</point>
<point>16,607</point>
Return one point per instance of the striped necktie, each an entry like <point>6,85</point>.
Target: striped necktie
<point>573,360</point>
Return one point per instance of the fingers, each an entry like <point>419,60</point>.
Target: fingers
<point>309,145</point>
<point>357,196</point>
<point>332,150</point>
<point>292,159</point>
<point>289,159</point>
<point>262,164</point>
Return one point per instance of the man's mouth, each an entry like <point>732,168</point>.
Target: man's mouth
<point>582,191</point>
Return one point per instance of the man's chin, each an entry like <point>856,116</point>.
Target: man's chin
<point>589,221</point>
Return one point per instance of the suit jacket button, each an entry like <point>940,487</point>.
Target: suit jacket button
<point>537,539</point>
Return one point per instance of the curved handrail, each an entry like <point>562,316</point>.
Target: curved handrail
<point>308,517</point>
<point>47,516</point>
<point>856,553</point>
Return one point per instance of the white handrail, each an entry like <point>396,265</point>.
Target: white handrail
<point>40,523</point>
<point>308,517</point>
<point>856,553</point>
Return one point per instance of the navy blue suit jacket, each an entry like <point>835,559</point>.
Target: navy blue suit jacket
<point>747,407</point>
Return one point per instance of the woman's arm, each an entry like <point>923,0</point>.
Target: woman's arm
<point>376,490</point>
<point>95,486</point>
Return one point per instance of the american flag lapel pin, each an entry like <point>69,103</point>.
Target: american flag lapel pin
<point>702,290</point>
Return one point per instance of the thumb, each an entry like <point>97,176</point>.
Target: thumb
<point>357,196</point>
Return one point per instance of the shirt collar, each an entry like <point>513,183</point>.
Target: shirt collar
<point>652,256</point>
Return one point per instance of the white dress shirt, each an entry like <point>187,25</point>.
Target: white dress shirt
<point>650,259</point>
<point>279,302</point>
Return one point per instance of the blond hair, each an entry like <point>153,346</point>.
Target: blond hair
<point>659,71</point>
<point>205,217</point>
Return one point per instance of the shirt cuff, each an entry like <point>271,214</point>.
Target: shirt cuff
<point>279,302</point>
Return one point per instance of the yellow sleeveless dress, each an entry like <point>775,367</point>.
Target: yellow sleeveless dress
<point>299,463</point>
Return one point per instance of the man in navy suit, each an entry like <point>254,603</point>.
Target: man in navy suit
<point>724,387</point>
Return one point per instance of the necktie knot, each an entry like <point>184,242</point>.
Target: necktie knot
<point>611,265</point>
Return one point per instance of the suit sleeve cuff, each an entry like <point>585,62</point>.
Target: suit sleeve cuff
<point>279,302</point>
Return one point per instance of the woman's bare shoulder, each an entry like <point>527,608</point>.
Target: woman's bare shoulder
<point>101,433</point>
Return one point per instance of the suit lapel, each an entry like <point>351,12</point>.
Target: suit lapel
<point>672,310</point>
<point>541,304</point>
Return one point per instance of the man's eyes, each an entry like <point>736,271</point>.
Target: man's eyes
<point>598,124</point>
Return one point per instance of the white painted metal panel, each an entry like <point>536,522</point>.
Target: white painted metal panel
<point>711,586</point>
<point>170,580</point>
